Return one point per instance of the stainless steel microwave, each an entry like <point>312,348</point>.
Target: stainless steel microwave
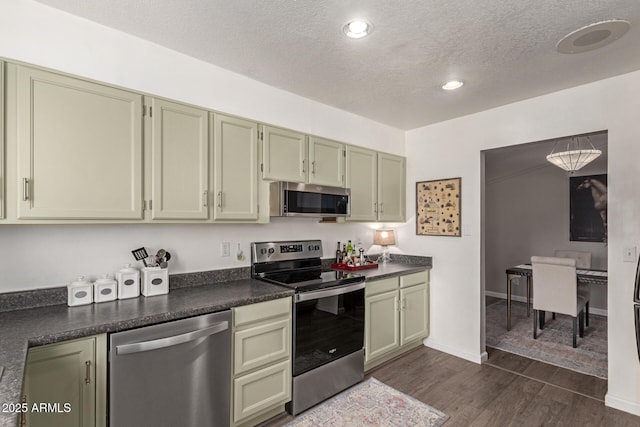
<point>295,199</point>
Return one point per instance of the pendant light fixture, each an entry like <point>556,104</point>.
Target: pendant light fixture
<point>576,155</point>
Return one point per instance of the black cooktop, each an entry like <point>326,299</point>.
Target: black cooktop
<point>308,280</point>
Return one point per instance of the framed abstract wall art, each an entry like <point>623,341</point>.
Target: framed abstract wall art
<point>588,208</point>
<point>438,207</point>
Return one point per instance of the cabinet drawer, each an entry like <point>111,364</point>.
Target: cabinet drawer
<point>261,390</point>
<point>260,345</point>
<point>414,279</point>
<point>262,310</point>
<point>380,286</point>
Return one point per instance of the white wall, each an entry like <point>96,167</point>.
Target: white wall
<point>41,256</point>
<point>528,214</point>
<point>452,148</point>
<point>49,255</point>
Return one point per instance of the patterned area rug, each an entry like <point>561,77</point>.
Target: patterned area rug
<point>371,403</point>
<point>554,343</point>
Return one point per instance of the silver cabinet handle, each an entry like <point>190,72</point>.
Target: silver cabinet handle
<point>25,189</point>
<point>323,293</point>
<point>375,207</point>
<point>171,341</point>
<point>303,169</point>
<point>205,198</point>
<point>219,199</point>
<point>87,376</point>
<point>313,167</point>
<point>381,207</point>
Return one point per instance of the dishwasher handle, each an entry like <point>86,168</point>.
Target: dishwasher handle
<point>171,341</point>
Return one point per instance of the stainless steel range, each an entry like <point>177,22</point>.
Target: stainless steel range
<point>328,318</point>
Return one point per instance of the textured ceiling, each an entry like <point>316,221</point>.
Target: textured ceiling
<point>504,50</point>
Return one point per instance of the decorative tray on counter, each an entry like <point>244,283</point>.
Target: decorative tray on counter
<point>346,267</point>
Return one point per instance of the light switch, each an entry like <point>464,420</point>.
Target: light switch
<point>629,254</point>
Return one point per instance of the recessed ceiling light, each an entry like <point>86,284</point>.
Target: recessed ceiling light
<point>593,36</point>
<point>357,28</point>
<point>452,85</point>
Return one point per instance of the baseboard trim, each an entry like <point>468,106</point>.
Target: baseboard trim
<point>622,404</point>
<point>478,358</point>
<point>598,311</point>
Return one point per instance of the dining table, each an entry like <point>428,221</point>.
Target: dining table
<point>587,276</point>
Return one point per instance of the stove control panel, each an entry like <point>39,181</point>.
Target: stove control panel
<point>286,250</point>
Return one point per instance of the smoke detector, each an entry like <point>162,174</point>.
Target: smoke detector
<point>593,36</point>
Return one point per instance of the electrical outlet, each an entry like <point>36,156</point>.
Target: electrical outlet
<point>225,249</point>
<point>629,254</point>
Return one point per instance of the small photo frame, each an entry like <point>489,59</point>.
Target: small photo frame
<point>438,207</point>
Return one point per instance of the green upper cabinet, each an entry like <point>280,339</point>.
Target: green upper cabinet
<point>79,147</point>
<point>179,147</point>
<point>284,155</point>
<point>378,185</point>
<point>361,177</point>
<point>235,157</point>
<point>326,160</point>
<point>391,188</point>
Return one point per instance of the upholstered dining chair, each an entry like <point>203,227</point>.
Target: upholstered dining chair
<point>555,286</point>
<point>583,260</point>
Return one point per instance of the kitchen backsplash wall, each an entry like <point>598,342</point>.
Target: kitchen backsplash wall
<point>44,256</point>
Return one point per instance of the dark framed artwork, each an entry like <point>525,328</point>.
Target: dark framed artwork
<point>438,207</point>
<point>588,208</point>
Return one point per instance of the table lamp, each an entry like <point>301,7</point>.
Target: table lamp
<point>384,238</point>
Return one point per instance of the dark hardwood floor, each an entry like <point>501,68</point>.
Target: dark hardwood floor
<point>508,390</point>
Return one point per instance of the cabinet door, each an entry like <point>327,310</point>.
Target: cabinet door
<point>361,172</point>
<point>261,390</point>
<point>180,159</point>
<point>414,313</point>
<point>381,333</point>
<point>326,159</point>
<point>284,155</point>
<point>66,373</point>
<point>391,188</point>
<point>79,148</point>
<point>236,168</point>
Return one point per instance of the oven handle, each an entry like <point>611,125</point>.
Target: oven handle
<point>324,293</point>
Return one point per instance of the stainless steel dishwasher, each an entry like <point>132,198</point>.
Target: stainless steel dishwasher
<point>172,374</point>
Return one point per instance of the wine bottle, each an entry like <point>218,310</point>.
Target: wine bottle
<point>338,254</point>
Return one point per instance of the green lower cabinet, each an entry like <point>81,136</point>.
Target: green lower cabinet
<point>261,382</point>
<point>65,384</point>
<point>396,316</point>
<point>382,334</point>
<point>414,313</point>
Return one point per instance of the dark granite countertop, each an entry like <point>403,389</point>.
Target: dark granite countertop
<point>390,270</point>
<point>20,329</point>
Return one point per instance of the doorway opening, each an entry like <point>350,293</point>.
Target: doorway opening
<point>528,211</point>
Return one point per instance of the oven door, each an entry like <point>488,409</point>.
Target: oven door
<point>328,324</point>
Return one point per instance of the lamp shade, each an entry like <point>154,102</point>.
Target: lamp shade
<point>575,156</point>
<point>384,238</point>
